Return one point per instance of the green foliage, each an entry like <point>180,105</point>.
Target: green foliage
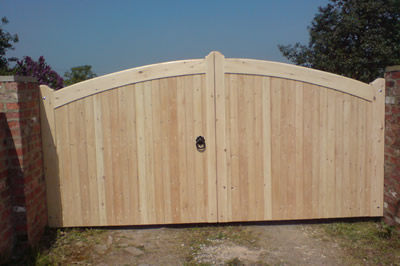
<point>369,242</point>
<point>354,38</point>
<point>78,74</point>
<point>6,43</point>
<point>67,246</point>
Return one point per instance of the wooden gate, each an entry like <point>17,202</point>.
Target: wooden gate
<point>282,142</point>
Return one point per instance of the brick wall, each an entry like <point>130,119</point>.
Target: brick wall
<point>392,147</point>
<point>6,223</point>
<point>22,200</point>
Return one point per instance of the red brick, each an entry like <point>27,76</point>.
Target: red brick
<point>27,114</point>
<point>33,86</point>
<point>16,132</point>
<point>36,128</point>
<point>28,179</point>
<point>6,215</point>
<point>13,106</point>
<point>396,109</point>
<point>396,177</point>
<point>35,94</point>
<point>7,234</point>
<point>17,141</point>
<point>17,162</point>
<point>389,83</point>
<point>13,115</point>
<point>16,124</point>
<point>395,75</point>
<point>21,228</point>
<point>11,86</point>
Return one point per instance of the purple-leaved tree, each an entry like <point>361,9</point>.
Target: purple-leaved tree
<point>40,70</point>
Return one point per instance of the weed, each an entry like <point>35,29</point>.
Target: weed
<point>67,246</point>
<point>367,242</point>
<point>234,262</point>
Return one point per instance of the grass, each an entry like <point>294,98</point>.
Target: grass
<point>366,242</point>
<point>67,246</point>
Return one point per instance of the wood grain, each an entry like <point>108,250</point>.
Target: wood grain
<point>280,144</point>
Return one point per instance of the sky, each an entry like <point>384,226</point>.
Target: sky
<point>117,35</point>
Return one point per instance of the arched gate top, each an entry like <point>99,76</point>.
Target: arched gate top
<point>200,66</point>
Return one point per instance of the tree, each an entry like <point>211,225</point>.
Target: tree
<point>40,70</point>
<point>78,74</point>
<point>6,43</point>
<point>354,38</point>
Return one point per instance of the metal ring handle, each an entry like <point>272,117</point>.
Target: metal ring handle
<point>200,143</point>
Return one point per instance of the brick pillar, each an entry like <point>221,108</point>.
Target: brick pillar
<point>392,147</point>
<point>21,157</point>
<point>7,238</point>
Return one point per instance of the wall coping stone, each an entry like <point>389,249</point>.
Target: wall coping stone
<point>19,79</point>
<point>393,68</point>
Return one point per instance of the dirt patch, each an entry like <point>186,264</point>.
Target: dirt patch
<point>261,244</point>
<point>224,252</point>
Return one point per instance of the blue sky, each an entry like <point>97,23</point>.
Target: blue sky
<point>117,35</point>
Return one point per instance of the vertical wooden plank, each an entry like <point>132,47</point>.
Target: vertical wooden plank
<point>378,133</point>
<point>290,147</point>
<point>181,147</point>
<point>339,156</point>
<point>100,171</point>
<point>189,146</point>
<point>299,151</point>
<point>368,156</point>
<point>148,131</point>
<point>165,138</point>
<point>50,159</point>
<point>259,146</point>
<point>346,201</point>
<point>74,158</point>
<point>205,159</point>
<point>157,151</point>
<point>108,155</point>
<point>249,141</point>
<point>229,186</point>
<point>284,137</point>
<point>212,213</point>
<point>91,156</point>
<point>132,155</point>
<point>276,147</point>
<point>141,148</point>
<point>354,170</point>
<point>315,151</point>
<point>173,148</point>
<point>330,154</point>
<point>83,179</point>
<point>243,150</point>
<point>234,146</point>
<point>309,142</point>
<point>64,160</point>
<point>123,153</point>
<point>267,152</point>
<point>361,157</point>
<point>198,157</point>
<point>323,138</point>
<point>220,136</point>
<point>116,155</point>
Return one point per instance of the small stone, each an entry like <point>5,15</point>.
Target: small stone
<point>100,248</point>
<point>109,241</point>
<point>134,251</point>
